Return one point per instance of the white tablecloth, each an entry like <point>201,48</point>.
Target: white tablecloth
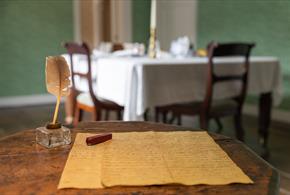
<point>140,83</point>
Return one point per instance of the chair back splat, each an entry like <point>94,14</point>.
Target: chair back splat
<point>227,50</point>
<point>72,49</point>
<point>87,101</point>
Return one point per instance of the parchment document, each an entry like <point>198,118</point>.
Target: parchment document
<point>149,158</point>
<point>189,158</point>
<point>83,166</point>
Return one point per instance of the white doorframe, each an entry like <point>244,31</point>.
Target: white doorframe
<point>76,21</point>
<point>121,20</point>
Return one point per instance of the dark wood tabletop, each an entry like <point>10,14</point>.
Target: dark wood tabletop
<point>28,168</point>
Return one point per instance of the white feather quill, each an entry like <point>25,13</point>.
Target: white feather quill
<point>57,79</point>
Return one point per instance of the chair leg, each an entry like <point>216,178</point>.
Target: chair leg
<point>219,124</point>
<point>179,119</point>
<point>146,115</point>
<point>164,117</point>
<point>107,114</point>
<point>156,115</point>
<point>78,116</point>
<point>119,115</point>
<point>239,126</point>
<point>203,120</point>
<point>97,115</point>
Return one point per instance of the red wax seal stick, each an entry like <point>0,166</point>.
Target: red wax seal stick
<point>96,139</point>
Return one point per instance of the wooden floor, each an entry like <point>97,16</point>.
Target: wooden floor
<point>17,119</point>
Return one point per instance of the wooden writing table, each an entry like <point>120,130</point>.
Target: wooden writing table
<point>27,168</point>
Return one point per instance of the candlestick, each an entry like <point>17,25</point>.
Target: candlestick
<point>152,40</point>
<point>153,14</point>
<point>152,43</point>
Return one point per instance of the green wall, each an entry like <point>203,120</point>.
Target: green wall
<point>266,22</point>
<point>33,29</point>
<point>141,20</point>
<point>30,30</point>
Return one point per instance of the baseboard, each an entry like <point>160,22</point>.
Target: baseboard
<point>27,100</point>
<point>278,115</point>
<point>42,99</point>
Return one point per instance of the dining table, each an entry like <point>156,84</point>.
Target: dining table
<point>29,168</point>
<point>140,82</point>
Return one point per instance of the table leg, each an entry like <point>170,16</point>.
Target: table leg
<point>265,108</point>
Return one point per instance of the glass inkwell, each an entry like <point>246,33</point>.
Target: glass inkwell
<point>53,135</point>
<point>57,83</point>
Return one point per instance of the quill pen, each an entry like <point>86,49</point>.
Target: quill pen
<point>57,79</point>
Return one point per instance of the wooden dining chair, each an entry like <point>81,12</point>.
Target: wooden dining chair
<point>211,108</point>
<point>88,101</point>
